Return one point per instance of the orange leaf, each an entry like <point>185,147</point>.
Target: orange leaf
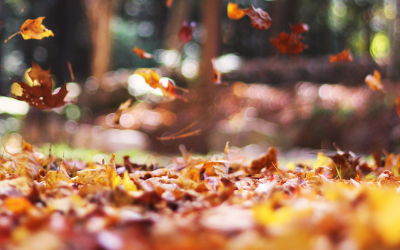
<point>343,56</point>
<point>397,105</point>
<point>216,73</point>
<point>40,95</point>
<point>141,53</point>
<point>288,44</point>
<point>70,71</point>
<point>186,32</point>
<point>299,28</point>
<point>234,12</point>
<point>374,82</point>
<point>18,205</point>
<point>259,18</point>
<point>169,3</point>
<point>34,29</point>
<point>150,76</point>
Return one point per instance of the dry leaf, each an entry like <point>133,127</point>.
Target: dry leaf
<point>374,82</point>
<point>234,12</point>
<point>18,205</point>
<point>121,109</point>
<point>288,44</point>
<point>40,94</point>
<point>216,73</point>
<point>142,54</point>
<point>53,177</point>
<point>186,32</point>
<point>343,56</point>
<point>33,29</point>
<point>268,161</point>
<point>299,28</point>
<point>259,18</point>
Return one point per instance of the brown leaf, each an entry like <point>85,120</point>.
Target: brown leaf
<point>268,161</point>
<point>40,94</point>
<point>374,82</point>
<point>259,18</point>
<point>397,105</point>
<point>142,54</point>
<point>343,56</point>
<point>186,32</point>
<point>288,44</point>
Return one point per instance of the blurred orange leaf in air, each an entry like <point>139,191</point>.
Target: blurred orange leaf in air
<point>33,29</point>
<point>374,82</point>
<point>141,53</point>
<point>299,28</point>
<point>343,56</point>
<point>259,18</point>
<point>216,73</point>
<point>234,12</point>
<point>397,105</point>
<point>169,3</point>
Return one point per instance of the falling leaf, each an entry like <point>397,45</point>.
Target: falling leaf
<point>169,3</point>
<point>259,18</point>
<point>343,56</point>
<point>397,105</point>
<point>121,109</point>
<point>288,44</point>
<point>70,71</point>
<point>186,32</point>
<point>216,73</point>
<point>33,29</point>
<point>234,12</point>
<point>150,76</point>
<point>374,82</point>
<point>40,94</point>
<point>299,28</point>
<point>142,54</point>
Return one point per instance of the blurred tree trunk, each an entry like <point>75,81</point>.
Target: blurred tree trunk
<point>99,14</point>
<point>394,35</point>
<point>177,15</point>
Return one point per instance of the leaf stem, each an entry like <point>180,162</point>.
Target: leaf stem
<point>19,32</point>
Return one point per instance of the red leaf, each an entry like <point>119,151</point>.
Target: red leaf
<point>186,32</point>
<point>259,18</point>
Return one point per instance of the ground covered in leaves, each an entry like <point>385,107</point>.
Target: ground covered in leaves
<point>222,201</point>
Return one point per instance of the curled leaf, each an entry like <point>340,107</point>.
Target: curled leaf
<point>33,29</point>
<point>141,53</point>
<point>234,12</point>
<point>288,44</point>
<point>343,56</point>
<point>299,28</point>
<point>259,18</point>
<point>374,82</point>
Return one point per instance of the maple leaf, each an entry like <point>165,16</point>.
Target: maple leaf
<point>40,94</point>
<point>142,54</point>
<point>343,56</point>
<point>288,44</point>
<point>33,29</point>
<point>186,32</point>
<point>216,73</point>
<point>299,28</point>
<point>259,18</point>
<point>374,82</point>
<point>234,12</point>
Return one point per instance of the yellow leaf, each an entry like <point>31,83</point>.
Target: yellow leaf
<point>374,82</point>
<point>234,12</point>
<point>128,183</point>
<point>34,29</point>
<point>266,215</point>
<point>52,177</point>
<point>150,76</point>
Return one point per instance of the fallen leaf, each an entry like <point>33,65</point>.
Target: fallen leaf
<point>142,54</point>
<point>186,32</point>
<point>268,161</point>
<point>40,94</point>
<point>343,56</point>
<point>374,82</point>
<point>299,28</point>
<point>52,177</point>
<point>216,73</point>
<point>121,109</point>
<point>18,205</point>
<point>259,18</point>
<point>288,44</point>
<point>33,29</point>
<point>128,183</point>
<point>234,12</point>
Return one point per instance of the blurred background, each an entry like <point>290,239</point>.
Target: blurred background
<point>266,99</point>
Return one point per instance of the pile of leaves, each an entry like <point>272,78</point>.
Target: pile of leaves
<point>221,201</point>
